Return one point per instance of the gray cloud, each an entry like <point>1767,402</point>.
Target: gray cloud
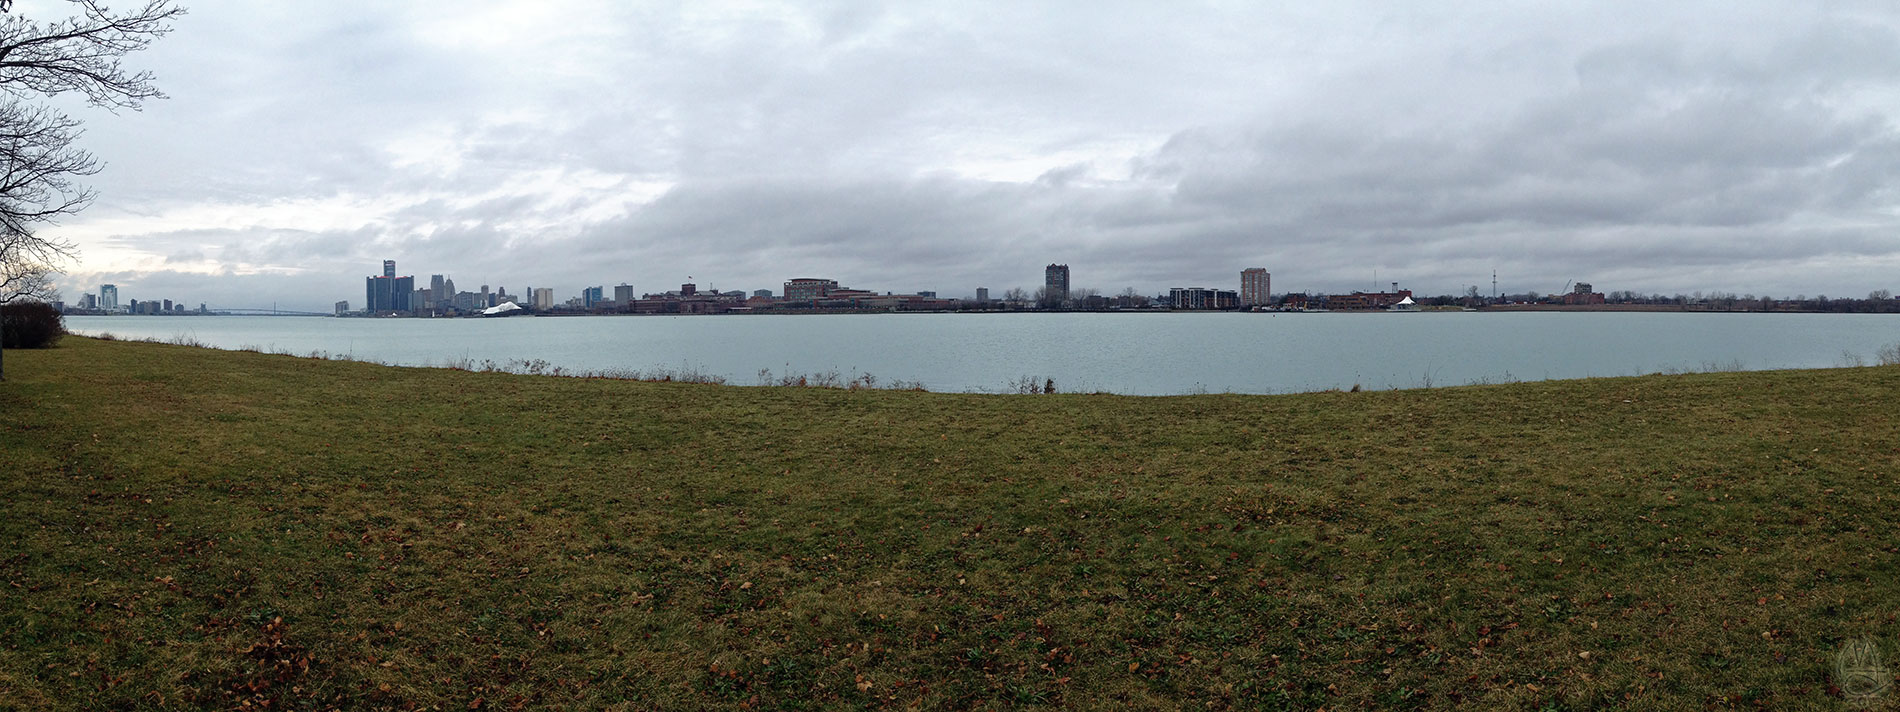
<point>1674,148</point>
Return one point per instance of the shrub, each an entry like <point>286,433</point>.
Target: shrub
<point>30,325</point>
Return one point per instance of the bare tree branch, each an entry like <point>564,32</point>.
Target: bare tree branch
<point>40,162</point>
<point>82,53</point>
<point>22,281</point>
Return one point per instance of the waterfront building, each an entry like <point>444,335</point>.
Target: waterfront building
<point>1583,294</point>
<point>109,297</point>
<point>623,294</point>
<point>982,295</point>
<point>437,292</point>
<point>1367,300</point>
<point>1202,298</point>
<point>807,288</point>
<point>591,296</point>
<point>543,298</point>
<point>1055,283</point>
<point>761,294</point>
<point>342,307</point>
<point>1256,287</point>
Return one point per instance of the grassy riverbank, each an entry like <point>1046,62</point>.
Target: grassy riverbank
<point>204,528</point>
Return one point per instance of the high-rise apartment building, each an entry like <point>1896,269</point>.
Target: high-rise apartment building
<point>623,293</point>
<point>109,297</point>
<point>1055,284</point>
<point>1256,287</point>
<point>543,298</point>
<point>982,295</point>
<point>591,296</point>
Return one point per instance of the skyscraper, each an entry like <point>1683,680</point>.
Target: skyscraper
<point>1055,284</point>
<point>109,297</point>
<point>1255,286</point>
<point>388,292</point>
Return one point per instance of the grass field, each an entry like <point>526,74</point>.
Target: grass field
<point>194,528</point>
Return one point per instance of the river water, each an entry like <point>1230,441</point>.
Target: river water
<point>1135,354</point>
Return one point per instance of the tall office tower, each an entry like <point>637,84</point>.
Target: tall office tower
<point>983,295</point>
<point>109,297</point>
<point>388,292</point>
<point>1055,282</point>
<point>623,293</point>
<point>435,291</point>
<point>1255,286</point>
<point>543,298</point>
<point>591,296</point>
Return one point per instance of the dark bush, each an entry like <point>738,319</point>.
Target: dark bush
<point>30,325</point>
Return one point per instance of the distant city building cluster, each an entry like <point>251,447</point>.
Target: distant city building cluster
<point>106,301</point>
<point>389,294</point>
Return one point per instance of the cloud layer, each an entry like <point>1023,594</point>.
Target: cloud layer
<point>1746,147</point>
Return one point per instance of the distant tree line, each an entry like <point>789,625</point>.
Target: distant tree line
<point>1879,301</point>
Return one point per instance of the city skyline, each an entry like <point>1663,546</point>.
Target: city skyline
<point>1695,147</point>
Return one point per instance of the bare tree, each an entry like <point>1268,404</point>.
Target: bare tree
<point>40,164</point>
<point>23,279</point>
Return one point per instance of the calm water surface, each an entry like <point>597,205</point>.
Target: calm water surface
<point>1137,354</point>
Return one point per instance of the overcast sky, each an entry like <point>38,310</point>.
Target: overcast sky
<point>1671,147</point>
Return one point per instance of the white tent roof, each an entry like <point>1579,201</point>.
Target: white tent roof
<point>502,308</point>
<point>1405,301</point>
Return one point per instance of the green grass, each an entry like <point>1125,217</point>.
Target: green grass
<point>194,528</point>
